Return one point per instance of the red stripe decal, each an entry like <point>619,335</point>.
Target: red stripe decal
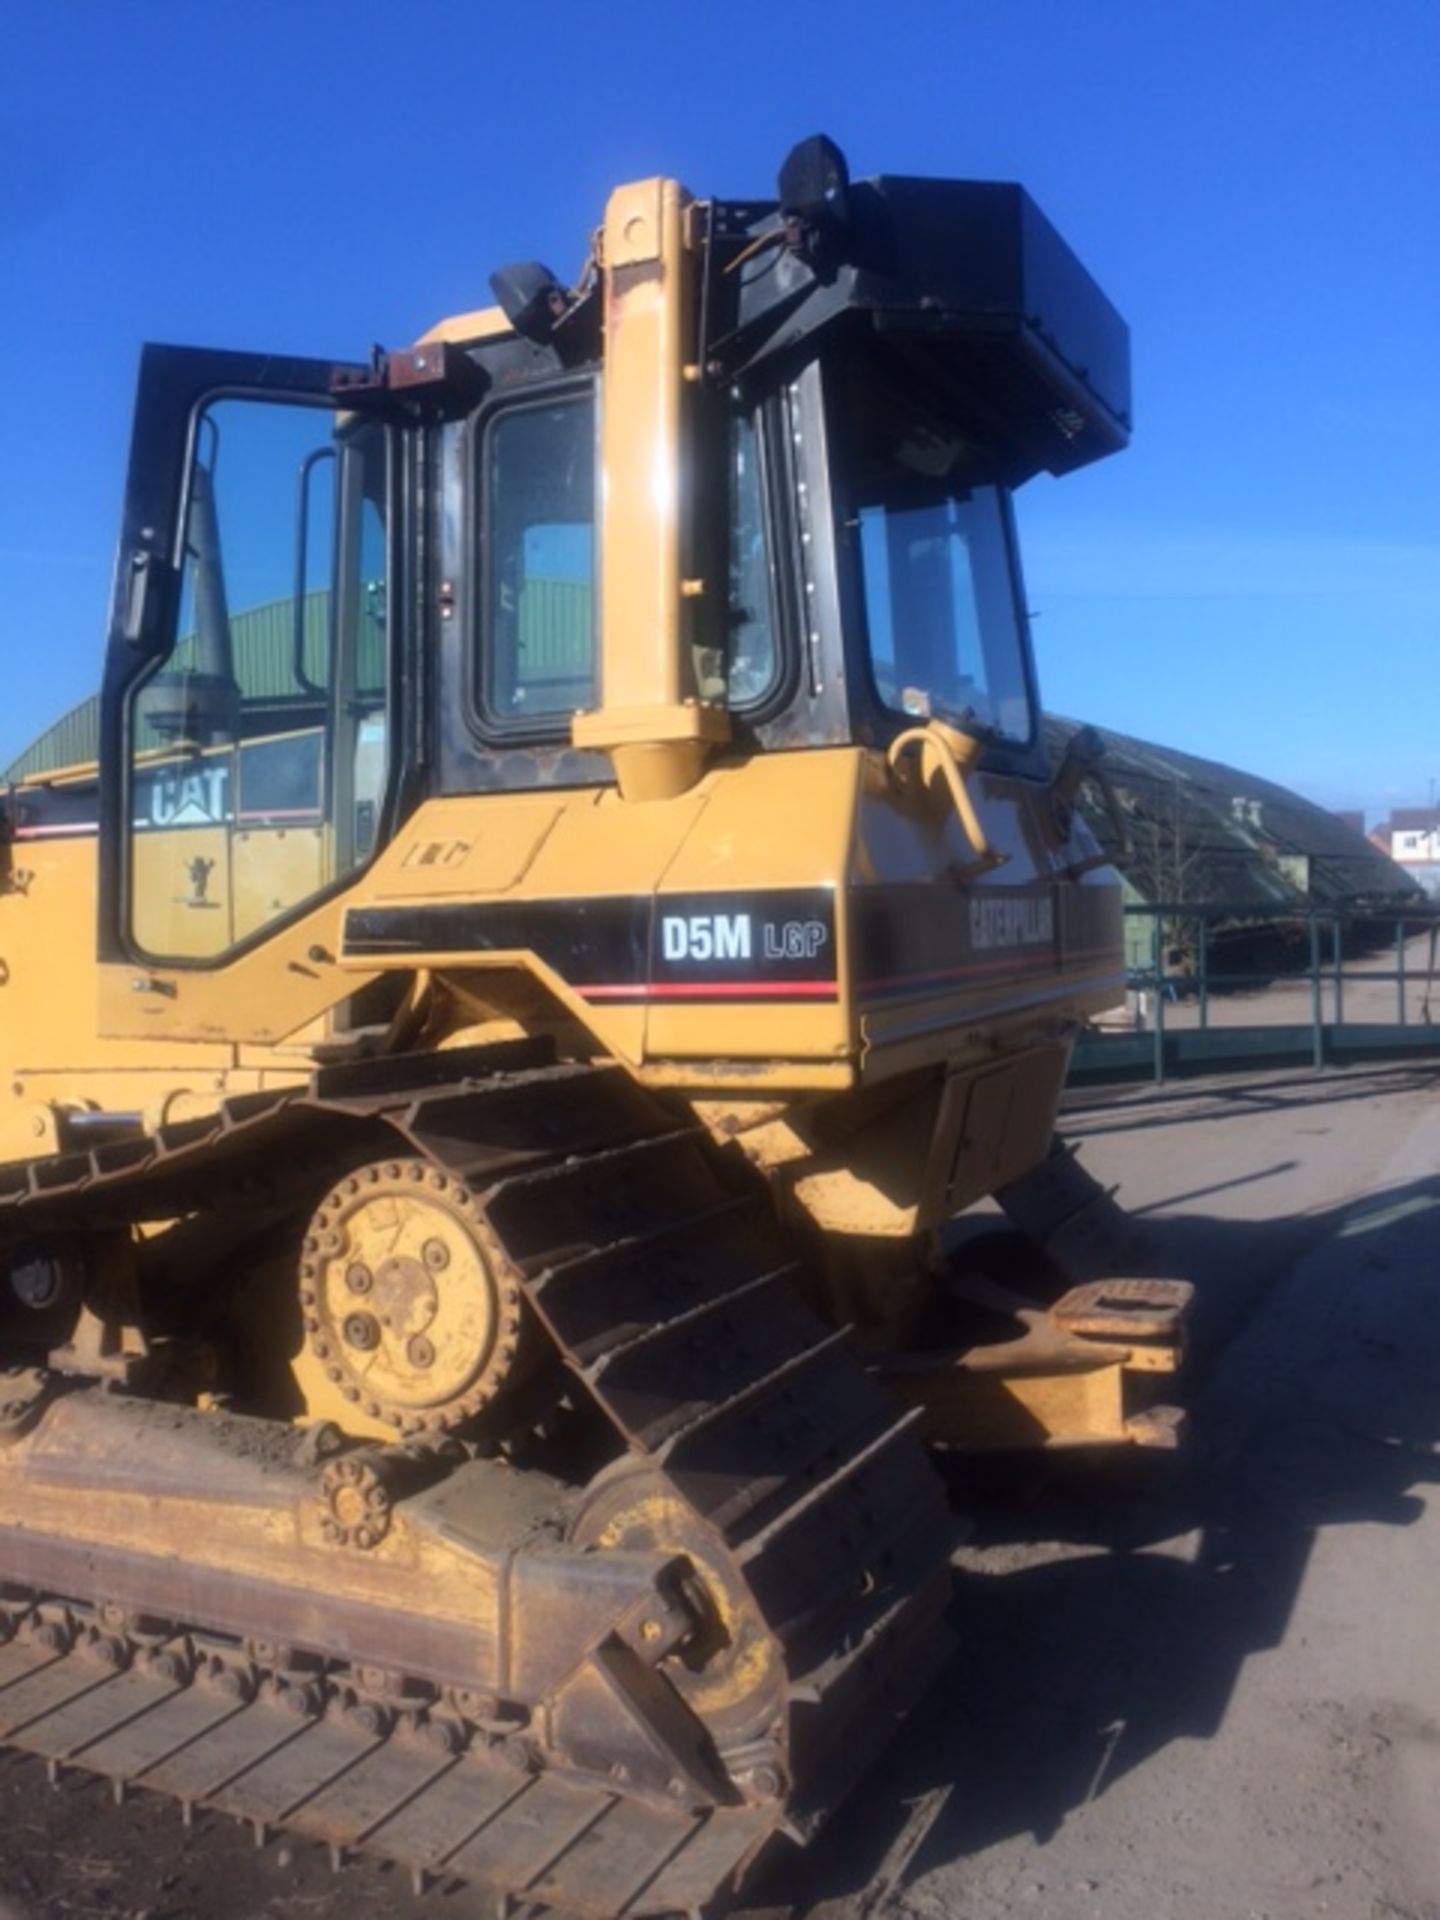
<point>717,990</point>
<point>1006,963</point>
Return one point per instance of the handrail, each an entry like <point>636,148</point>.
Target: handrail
<point>1214,1048</point>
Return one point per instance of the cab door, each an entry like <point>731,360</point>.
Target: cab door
<point>246,716</point>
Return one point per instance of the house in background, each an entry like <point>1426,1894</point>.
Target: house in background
<point>1411,837</point>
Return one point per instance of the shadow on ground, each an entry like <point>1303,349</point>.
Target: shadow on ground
<point>1165,1573</point>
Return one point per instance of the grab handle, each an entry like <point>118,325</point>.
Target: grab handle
<point>937,748</point>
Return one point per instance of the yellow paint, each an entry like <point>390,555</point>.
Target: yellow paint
<point>945,751</point>
<point>1047,1410</point>
<point>271,1536</point>
<point>778,1076</point>
<point>412,1320</point>
<point>50,1052</point>
<point>651,721</point>
<point>466,329</point>
<point>273,870</point>
<point>166,918</point>
<point>485,848</point>
<point>840,831</point>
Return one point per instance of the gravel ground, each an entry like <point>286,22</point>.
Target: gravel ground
<point>1202,1684</point>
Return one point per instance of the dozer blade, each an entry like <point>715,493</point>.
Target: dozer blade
<point>602,1694</point>
<point>1065,1378</point>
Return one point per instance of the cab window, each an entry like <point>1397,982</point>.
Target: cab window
<point>744,669</point>
<point>940,608</point>
<point>259,743</point>
<point>929,538</point>
<point>538,631</point>
<point>539,643</point>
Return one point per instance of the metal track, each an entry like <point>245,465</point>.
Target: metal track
<point>659,1276</point>
<point>555,1842</point>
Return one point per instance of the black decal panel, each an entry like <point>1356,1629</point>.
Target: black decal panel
<point>279,784</point>
<point>911,940</point>
<point>773,945</point>
<point>744,946</point>
<point>54,813</point>
<point>584,940</point>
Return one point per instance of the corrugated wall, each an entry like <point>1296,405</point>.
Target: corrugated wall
<point>262,639</point>
<point>555,629</point>
<point>69,742</point>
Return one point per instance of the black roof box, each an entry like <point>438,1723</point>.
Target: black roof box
<point>969,274</point>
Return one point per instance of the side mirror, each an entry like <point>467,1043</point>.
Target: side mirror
<point>531,298</point>
<point>1082,756</point>
<point>1083,760</point>
<point>142,598</point>
<point>814,193</point>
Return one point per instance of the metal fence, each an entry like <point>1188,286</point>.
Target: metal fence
<point>1325,997</point>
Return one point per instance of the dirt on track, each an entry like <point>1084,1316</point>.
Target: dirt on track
<point>1195,1685</point>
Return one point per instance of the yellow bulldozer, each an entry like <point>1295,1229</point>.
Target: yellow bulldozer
<point>566,904</point>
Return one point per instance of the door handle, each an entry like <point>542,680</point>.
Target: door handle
<point>142,593</point>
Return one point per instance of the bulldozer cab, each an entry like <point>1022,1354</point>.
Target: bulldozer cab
<point>254,725</point>
<point>742,497</point>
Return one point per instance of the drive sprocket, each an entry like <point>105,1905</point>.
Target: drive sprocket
<point>409,1306</point>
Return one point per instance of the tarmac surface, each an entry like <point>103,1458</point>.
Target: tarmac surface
<point>1194,1684</point>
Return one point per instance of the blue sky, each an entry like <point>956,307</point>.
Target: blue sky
<point>1255,185</point>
